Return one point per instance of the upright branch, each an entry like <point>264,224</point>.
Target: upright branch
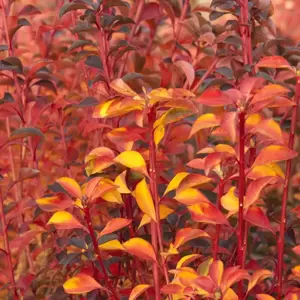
<point>287,180</point>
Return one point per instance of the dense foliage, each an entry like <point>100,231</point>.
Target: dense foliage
<point>148,149</point>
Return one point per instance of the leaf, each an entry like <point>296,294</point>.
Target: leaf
<point>113,3</point>
<point>64,220</point>
<point>230,295</point>
<point>216,270</point>
<point>144,199</point>
<point>164,211</point>
<point>187,259</point>
<point>187,69</point>
<point>79,43</point>
<point>192,180</point>
<point>190,196</point>
<point>257,277</point>
<point>120,181</point>
<point>159,133</point>
<point>133,160</point>
<point>37,66</point>
<point>269,92</point>
<point>54,203</point>
<point>20,23</point>
<point>71,186</point>
<point>264,297</point>
<point>270,129</point>
<point>114,225</point>
<point>26,132</point>
<point>94,61</point>
<point>121,87</point>
<point>213,97</point>
<point>230,201</point>
<point>231,276</point>
<point>174,183</point>
<point>205,121</point>
<point>113,196</point>
<point>254,189</point>
<point>276,62</point>
<point>140,248</point>
<point>268,170</point>
<point>71,6</point>
<point>257,217</point>
<point>274,153</point>
<point>112,245</point>
<point>80,284</point>
<point>171,116</point>
<point>186,234</point>
<point>138,290</point>
<point>206,212</point>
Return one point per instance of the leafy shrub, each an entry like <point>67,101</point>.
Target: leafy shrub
<point>147,149</point>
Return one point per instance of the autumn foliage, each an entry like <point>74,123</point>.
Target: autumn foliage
<point>149,150</point>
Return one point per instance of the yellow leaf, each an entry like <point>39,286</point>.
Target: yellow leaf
<point>159,133</point>
<point>144,199</point>
<point>80,284</point>
<point>230,201</point>
<point>230,295</point>
<point>257,277</point>
<point>71,186</point>
<point>190,196</point>
<point>64,220</point>
<point>138,290</point>
<point>264,297</point>
<point>101,110</point>
<point>58,202</point>
<point>133,160</point>
<point>113,245</point>
<point>112,196</point>
<point>185,260</point>
<point>120,181</point>
<point>174,183</point>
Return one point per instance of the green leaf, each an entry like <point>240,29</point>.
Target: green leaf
<point>233,40</point>
<point>7,98</point>
<point>79,43</point>
<point>88,102</point>
<point>225,71</point>
<point>26,132</point>
<point>70,6</point>
<point>214,15</point>
<point>94,61</point>
<point>78,242</point>
<point>132,76</point>
<point>83,27</point>
<point>11,63</point>
<point>47,84</point>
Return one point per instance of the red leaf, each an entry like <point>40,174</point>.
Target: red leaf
<point>257,217</point>
<point>276,62</point>
<point>213,97</point>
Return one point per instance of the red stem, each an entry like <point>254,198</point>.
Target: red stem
<point>97,251</point>
<point>7,248</point>
<point>241,195</point>
<point>287,180</point>
<point>218,226</point>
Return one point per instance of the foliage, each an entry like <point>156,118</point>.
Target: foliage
<point>148,149</point>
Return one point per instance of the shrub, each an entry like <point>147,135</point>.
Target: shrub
<point>148,148</point>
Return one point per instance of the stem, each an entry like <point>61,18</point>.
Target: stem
<point>218,226</point>
<point>287,181</point>
<point>97,251</point>
<point>7,248</point>
<point>241,195</point>
<point>153,186</point>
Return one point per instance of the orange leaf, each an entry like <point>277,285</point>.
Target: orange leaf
<point>71,186</point>
<point>229,123</point>
<point>58,202</point>
<point>190,196</point>
<point>121,87</point>
<point>231,276</point>
<point>296,271</point>
<point>133,160</point>
<point>276,62</point>
<point>216,270</point>
<point>114,225</point>
<point>97,187</point>
<point>140,248</point>
<point>64,220</point>
<point>138,290</point>
<point>257,217</point>
<point>80,284</point>
<point>144,199</point>
<point>188,69</point>
<point>257,277</point>
<point>213,97</point>
<point>274,153</point>
<point>172,288</point>
<point>205,121</point>
<point>254,190</point>
<point>206,212</point>
<point>112,245</point>
<point>268,92</point>
<point>186,234</point>
<point>296,250</point>
<point>230,295</point>
<point>192,180</point>
<point>270,129</point>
